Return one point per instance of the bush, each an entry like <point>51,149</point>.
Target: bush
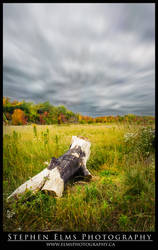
<point>18,117</point>
<point>141,142</point>
<point>146,140</point>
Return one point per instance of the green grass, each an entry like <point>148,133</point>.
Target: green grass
<point>120,196</point>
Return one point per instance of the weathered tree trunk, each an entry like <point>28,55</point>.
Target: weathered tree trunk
<point>53,178</point>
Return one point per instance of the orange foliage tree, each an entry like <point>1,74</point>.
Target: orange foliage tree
<point>80,118</point>
<point>42,121</point>
<point>6,100</point>
<point>18,117</point>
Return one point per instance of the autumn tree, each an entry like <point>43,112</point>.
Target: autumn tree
<point>6,100</point>
<point>61,119</point>
<point>42,121</point>
<point>8,116</point>
<point>18,117</point>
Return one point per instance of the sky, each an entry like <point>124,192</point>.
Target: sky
<point>95,59</point>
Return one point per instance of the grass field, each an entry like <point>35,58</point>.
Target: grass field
<point>120,196</point>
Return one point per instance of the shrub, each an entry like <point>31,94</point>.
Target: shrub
<point>141,142</point>
<point>18,117</point>
<point>146,140</point>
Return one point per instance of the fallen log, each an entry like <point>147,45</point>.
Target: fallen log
<point>53,178</point>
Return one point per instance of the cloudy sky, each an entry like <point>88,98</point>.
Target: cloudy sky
<point>96,59</point>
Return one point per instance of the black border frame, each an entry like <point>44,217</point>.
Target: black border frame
<point>5,235</point>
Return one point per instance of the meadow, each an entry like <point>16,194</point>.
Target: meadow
<point>120,196</point>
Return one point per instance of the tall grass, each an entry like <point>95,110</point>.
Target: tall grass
<point>120,196</point>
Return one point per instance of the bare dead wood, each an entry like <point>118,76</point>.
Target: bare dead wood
<point>53,178</point>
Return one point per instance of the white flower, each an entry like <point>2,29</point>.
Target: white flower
<point>129,136</point>
<point>10,214</point>
<point>46,163</point>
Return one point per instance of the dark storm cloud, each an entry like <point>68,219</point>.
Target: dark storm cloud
<point>96,59</point>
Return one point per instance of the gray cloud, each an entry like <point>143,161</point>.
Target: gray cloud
<point>96,59</point>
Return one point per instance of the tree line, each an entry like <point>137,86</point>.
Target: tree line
<point>23,113</point>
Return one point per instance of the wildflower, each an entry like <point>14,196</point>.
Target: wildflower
<point>46,163</point>
<point>129,136</point>
<point>10,214</point>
